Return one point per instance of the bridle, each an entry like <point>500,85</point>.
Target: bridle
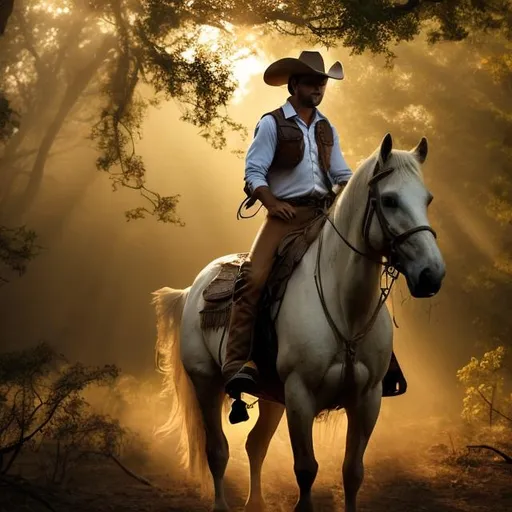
<point>392,241</point>
<point>391,264</point>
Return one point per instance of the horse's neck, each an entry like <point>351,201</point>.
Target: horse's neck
<point>355,278</point>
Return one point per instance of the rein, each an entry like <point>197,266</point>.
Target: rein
<point>391,265</point>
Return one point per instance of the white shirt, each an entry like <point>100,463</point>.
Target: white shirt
<point>307,177</point>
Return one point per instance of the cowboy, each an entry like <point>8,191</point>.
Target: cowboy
<point>291,166</point>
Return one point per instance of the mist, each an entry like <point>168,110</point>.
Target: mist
<point>88,292</point>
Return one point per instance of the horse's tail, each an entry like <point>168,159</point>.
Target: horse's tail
<point>185,419</point>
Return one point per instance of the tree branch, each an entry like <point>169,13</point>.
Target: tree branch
<point>492,407</point>
<point>411,5</point>
<point>506,457</point>
<point>29,41</point>
<point>286,17</point>
<point>14,446</point>
<point>129,472</point>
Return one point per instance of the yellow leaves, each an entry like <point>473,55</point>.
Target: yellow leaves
<point>490,362</point>
<point>499,66</point>
<point>504,265</point>
<point>486,278</point>
<point>500,210</point>
<point>483,383</point>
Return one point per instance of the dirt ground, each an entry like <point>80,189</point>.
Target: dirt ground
<point>406,471</point>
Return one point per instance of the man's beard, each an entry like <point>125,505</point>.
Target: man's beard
<point>310,101</point>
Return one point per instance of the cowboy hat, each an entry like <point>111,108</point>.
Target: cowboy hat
<point>308,63</point>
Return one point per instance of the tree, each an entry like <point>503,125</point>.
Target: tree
<point>38,387</point>
<point>69,57</point>
<point>486,395</point>
<point>485,390</point>
<point>42,408</point>
<point>116,46</point>
<point>6,7</point>
<point>17,247</point>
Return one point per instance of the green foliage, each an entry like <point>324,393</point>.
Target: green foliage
<point>485,390</point>
<point>108,48</point>
<point>372,25</point>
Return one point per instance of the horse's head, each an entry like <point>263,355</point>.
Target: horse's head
<point>396,222</point>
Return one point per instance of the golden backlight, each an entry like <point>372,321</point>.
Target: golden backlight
<point>244,59</point>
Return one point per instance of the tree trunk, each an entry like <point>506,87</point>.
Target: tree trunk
<point>491,406</point>
<point>73,93</point>
<point>47,80</point>
<point>6,7</point>
<point>8,171</point>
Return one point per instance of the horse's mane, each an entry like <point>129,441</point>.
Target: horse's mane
<point>404,162</point>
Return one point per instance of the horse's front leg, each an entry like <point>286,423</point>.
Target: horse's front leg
<point>300,412</point>
<point>362,416</point>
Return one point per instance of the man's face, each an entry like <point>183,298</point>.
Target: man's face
<point>310,90</point>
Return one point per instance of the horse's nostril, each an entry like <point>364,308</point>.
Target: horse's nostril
<point>427,282</point>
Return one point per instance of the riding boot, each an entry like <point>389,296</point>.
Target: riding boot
<point>241,373</point>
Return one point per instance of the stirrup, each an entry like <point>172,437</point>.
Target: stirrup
<point>238,412</point>
<point>396,384</point>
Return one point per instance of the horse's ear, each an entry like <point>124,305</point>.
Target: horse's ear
<point>421,150</point>
<point>385,148</point>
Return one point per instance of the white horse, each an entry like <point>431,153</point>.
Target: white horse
<point>334,337</point>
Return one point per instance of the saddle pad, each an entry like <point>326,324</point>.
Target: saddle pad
<point>221,287</point>
<point>217,295</point>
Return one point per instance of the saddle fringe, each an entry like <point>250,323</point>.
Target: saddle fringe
<point>215,318</point>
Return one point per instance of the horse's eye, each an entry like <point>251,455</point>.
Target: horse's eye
<point>430,198</point>
<point>389,201</point>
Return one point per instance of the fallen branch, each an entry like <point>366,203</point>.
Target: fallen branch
<point>506,457</point>
<point>141,479</point>
<point>129,472</point>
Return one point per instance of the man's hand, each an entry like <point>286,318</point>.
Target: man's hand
<point>274,206</point>
<point>282,210</point>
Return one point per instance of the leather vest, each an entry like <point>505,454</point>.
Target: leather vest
<point>290,147</point>
<point>290,142</point>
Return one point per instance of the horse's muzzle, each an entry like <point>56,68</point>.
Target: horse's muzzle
<point>428,282</point>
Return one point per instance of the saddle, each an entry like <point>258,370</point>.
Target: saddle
<point>218,301</point>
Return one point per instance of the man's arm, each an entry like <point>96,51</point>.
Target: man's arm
<point>257,163</point>
<point>260,154</point>
<point>340,171</point>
